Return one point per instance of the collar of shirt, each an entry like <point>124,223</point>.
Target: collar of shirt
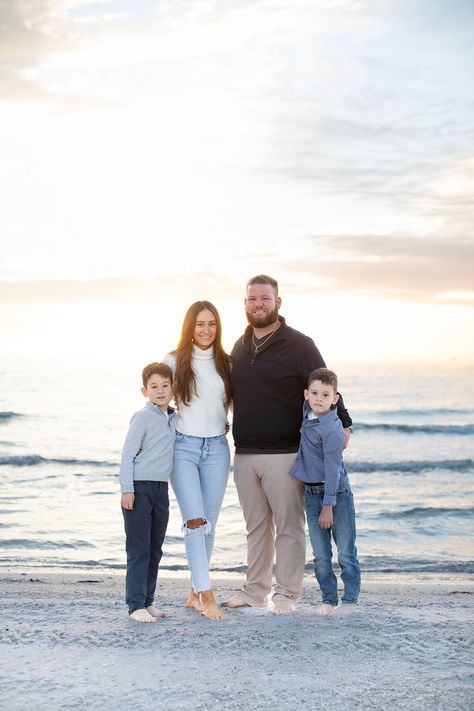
<point>310,415</point>
<point>155,408</point>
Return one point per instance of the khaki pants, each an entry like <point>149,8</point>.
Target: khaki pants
<point>272,504</point>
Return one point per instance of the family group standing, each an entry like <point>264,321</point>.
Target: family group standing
<point>265,380</point>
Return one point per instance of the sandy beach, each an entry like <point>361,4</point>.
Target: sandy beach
<point>66,643</point>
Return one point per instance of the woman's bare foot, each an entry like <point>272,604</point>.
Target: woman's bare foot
<point>141,616</point>
<point>155,612</point>
<point>194,600</point>
<point>209,607</point>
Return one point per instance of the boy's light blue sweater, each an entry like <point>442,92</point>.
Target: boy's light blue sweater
<point>148,449</point>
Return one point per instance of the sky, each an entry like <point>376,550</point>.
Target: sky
<point>159,152</point>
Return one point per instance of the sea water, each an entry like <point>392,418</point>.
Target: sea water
<point>62,426</point>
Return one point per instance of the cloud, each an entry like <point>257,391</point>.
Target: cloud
<point>30,31</point>
<point>390,266</point>
<point>201,285</point>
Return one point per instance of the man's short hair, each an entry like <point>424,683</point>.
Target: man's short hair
<point>264,279</point>
<point>156,369</point>
<point>328,377</point>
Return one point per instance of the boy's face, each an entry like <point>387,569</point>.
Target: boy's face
<point>320,397</point>
<point>158,391</point>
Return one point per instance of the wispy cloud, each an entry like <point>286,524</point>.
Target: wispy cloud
<point>400,266</point>
<point>255,123</point>
<point>192,287</point>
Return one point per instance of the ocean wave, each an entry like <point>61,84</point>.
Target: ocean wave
<point>416,429</point>
<point>6,415</point>
<point>427,512</point>
<point>411,466</point>
<point>35,544</point>
<point>422,411</point>
<point>32,460</point>
<point>370,564</point>
<point>386,564</point>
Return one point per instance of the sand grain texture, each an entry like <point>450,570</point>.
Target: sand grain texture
<point>66,643</point>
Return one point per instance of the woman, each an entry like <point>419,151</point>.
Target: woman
<point>201,370</point>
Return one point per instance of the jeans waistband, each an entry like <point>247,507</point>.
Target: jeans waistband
<point>201,438</point>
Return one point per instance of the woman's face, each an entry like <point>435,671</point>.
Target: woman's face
<point>205,329</point>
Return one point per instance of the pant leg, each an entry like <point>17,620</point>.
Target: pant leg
<point>344,532</point>
<point>260,529</point>
<point>321,544</point>
<point>213,474</point>
<point>137,544</point>
<point>186,483</point>
<point>285,496</point>
<point>159,523</point>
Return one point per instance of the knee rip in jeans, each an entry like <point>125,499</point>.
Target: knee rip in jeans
<point>193,524</point>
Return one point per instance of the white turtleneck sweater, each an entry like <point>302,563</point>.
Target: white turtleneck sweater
<point>205,415</point>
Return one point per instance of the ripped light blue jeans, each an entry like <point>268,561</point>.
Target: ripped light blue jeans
<point>199,480</point>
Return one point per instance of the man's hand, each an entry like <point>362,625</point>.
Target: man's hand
<point>325,517</point>
<point>128,499</point>
<point>347,436</point>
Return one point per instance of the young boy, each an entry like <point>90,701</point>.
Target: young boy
<point>328,498</point>
<point>147,460</point>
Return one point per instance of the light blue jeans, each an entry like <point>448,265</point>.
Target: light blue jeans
<point>199,480</point>
<point>344,533</point>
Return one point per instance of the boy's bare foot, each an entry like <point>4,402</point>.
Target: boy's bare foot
<point>155,612</point>
<point>209,607</point>
<point>194,600</point>
<point>347,608</point>
<point>325,610</point>
<point>283,606</point>
<point>141,616</point>
<point>234,602</point>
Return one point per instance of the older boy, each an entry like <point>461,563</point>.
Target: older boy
<point>147,461</point>
<point>329,502</point>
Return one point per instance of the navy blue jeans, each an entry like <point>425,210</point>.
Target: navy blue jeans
<point>145,529</point>
<point>344,533</point>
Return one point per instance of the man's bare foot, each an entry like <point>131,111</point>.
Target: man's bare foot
<point>141,616</point>
<point>194,600</point>
<point>283,606</point>
<point>209,605</point>
<point>234,602</point>
<point>325,610</point>
<point>347,608</point>
<point>155,612</point>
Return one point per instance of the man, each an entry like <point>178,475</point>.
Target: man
<point>271,364</point>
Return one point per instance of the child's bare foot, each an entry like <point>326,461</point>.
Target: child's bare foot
<point>347,608</point>
<point>194,600</point>
<point>325,610</point>
<point>141,616</point>
<point>209,607</point>
<point>155,612</point>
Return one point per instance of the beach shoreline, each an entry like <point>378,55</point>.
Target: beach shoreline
<point>66,643</point>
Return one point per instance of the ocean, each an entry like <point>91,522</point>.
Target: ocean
<point>62,425</point>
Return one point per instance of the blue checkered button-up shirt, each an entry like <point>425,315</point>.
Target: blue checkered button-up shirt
<point>319,455</point>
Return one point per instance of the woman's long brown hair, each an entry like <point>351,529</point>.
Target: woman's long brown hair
<point>185,379</point>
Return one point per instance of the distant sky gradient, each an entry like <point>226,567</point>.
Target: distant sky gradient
<point>157,152</point>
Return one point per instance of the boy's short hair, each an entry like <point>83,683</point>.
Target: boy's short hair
<point>264,279</point>
<point>326,376</point>
<point>156,369</point>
